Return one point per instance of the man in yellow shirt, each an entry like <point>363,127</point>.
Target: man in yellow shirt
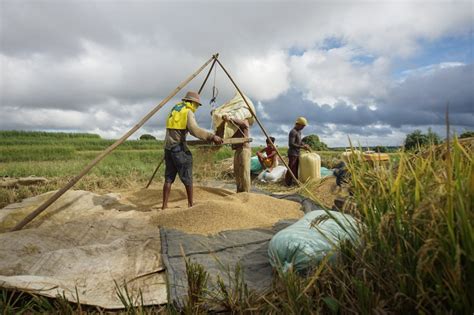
<point>178,158</point>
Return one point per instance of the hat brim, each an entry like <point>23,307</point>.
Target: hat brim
<point>192,100</point>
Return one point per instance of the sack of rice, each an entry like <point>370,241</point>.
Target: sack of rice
<point>255,166</point>
<point>304,244</point>
<point>275,175</point>
<point>235,108</point>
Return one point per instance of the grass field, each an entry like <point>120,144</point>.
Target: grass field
<point>416,253</point>
<point>60,156</point>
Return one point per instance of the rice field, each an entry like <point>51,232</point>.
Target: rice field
<point>416,253</point>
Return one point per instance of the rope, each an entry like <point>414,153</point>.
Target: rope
<point>215,93</point>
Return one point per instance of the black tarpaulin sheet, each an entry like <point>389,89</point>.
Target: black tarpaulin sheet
<point>221,253</point>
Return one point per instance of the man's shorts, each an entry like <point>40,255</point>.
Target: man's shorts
<point>179,161</point>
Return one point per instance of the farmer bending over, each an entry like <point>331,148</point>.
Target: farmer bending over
<point>178,158</point>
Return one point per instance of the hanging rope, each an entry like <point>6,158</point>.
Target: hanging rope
<point>215,93</point>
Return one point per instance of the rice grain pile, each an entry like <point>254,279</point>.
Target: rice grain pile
<point>231,212</point>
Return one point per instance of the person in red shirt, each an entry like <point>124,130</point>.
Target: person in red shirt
<point>269,160</point>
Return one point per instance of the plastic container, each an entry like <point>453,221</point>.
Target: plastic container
<point>310,166</point>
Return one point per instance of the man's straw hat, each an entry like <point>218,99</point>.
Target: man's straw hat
<point>192,96</point>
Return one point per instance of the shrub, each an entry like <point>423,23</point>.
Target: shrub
<point>147,137</point>
<point>314,142</point>
<point>380,149</point>
<point>417,139</point>
<point>467,134</point>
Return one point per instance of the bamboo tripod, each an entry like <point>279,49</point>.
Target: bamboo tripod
<point>112,147</point>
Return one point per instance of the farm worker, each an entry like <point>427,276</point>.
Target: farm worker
<point>294,146</point>
<point>242,153</point>
<point>269,160</point>
<point>178,158</point>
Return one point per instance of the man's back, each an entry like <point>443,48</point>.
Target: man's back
<point>176,136</point>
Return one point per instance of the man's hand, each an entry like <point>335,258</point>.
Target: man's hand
<point>306,147</point>
<point>217,139</point>
<point>226,118</point>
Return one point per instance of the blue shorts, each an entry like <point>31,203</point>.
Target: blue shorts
<point>179,161</point>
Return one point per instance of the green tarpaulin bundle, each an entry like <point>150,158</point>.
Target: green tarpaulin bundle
<point>304,244</point>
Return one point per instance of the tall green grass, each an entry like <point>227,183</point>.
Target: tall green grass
<point>416,249</point>
<point>80,144</point>
<point>417,236</point>
<point>36,153</point>
<point>77,141</point>
<point>419,229</point>
<point>44,134</point>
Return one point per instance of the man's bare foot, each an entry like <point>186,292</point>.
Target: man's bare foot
<point>164,207</point>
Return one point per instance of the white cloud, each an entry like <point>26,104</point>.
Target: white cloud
<point>99,65</point>
<point>427,70</point>
<point>261,111</point>
<point>264,77</point>
<point>332,76</point>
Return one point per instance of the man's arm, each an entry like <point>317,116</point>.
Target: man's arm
<point>271,155</point>
<point>242,124</point>
<point>292,141</point>
<point>198,132</point>
<point>195,130</point>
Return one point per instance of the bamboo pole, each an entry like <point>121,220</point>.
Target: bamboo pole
<point>259,123</point>
<point>154,173</point>
<point>73,181</point>
<point>225,141</point>
<point>271,142</point>
<point>208,73</point>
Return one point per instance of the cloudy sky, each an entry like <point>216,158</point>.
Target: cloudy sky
<point>371,70</point>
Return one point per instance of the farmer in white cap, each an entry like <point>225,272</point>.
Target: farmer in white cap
<point>294,146</point>
<point>178,158</point>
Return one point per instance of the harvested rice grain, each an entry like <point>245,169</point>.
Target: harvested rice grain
<point>231,212</point>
